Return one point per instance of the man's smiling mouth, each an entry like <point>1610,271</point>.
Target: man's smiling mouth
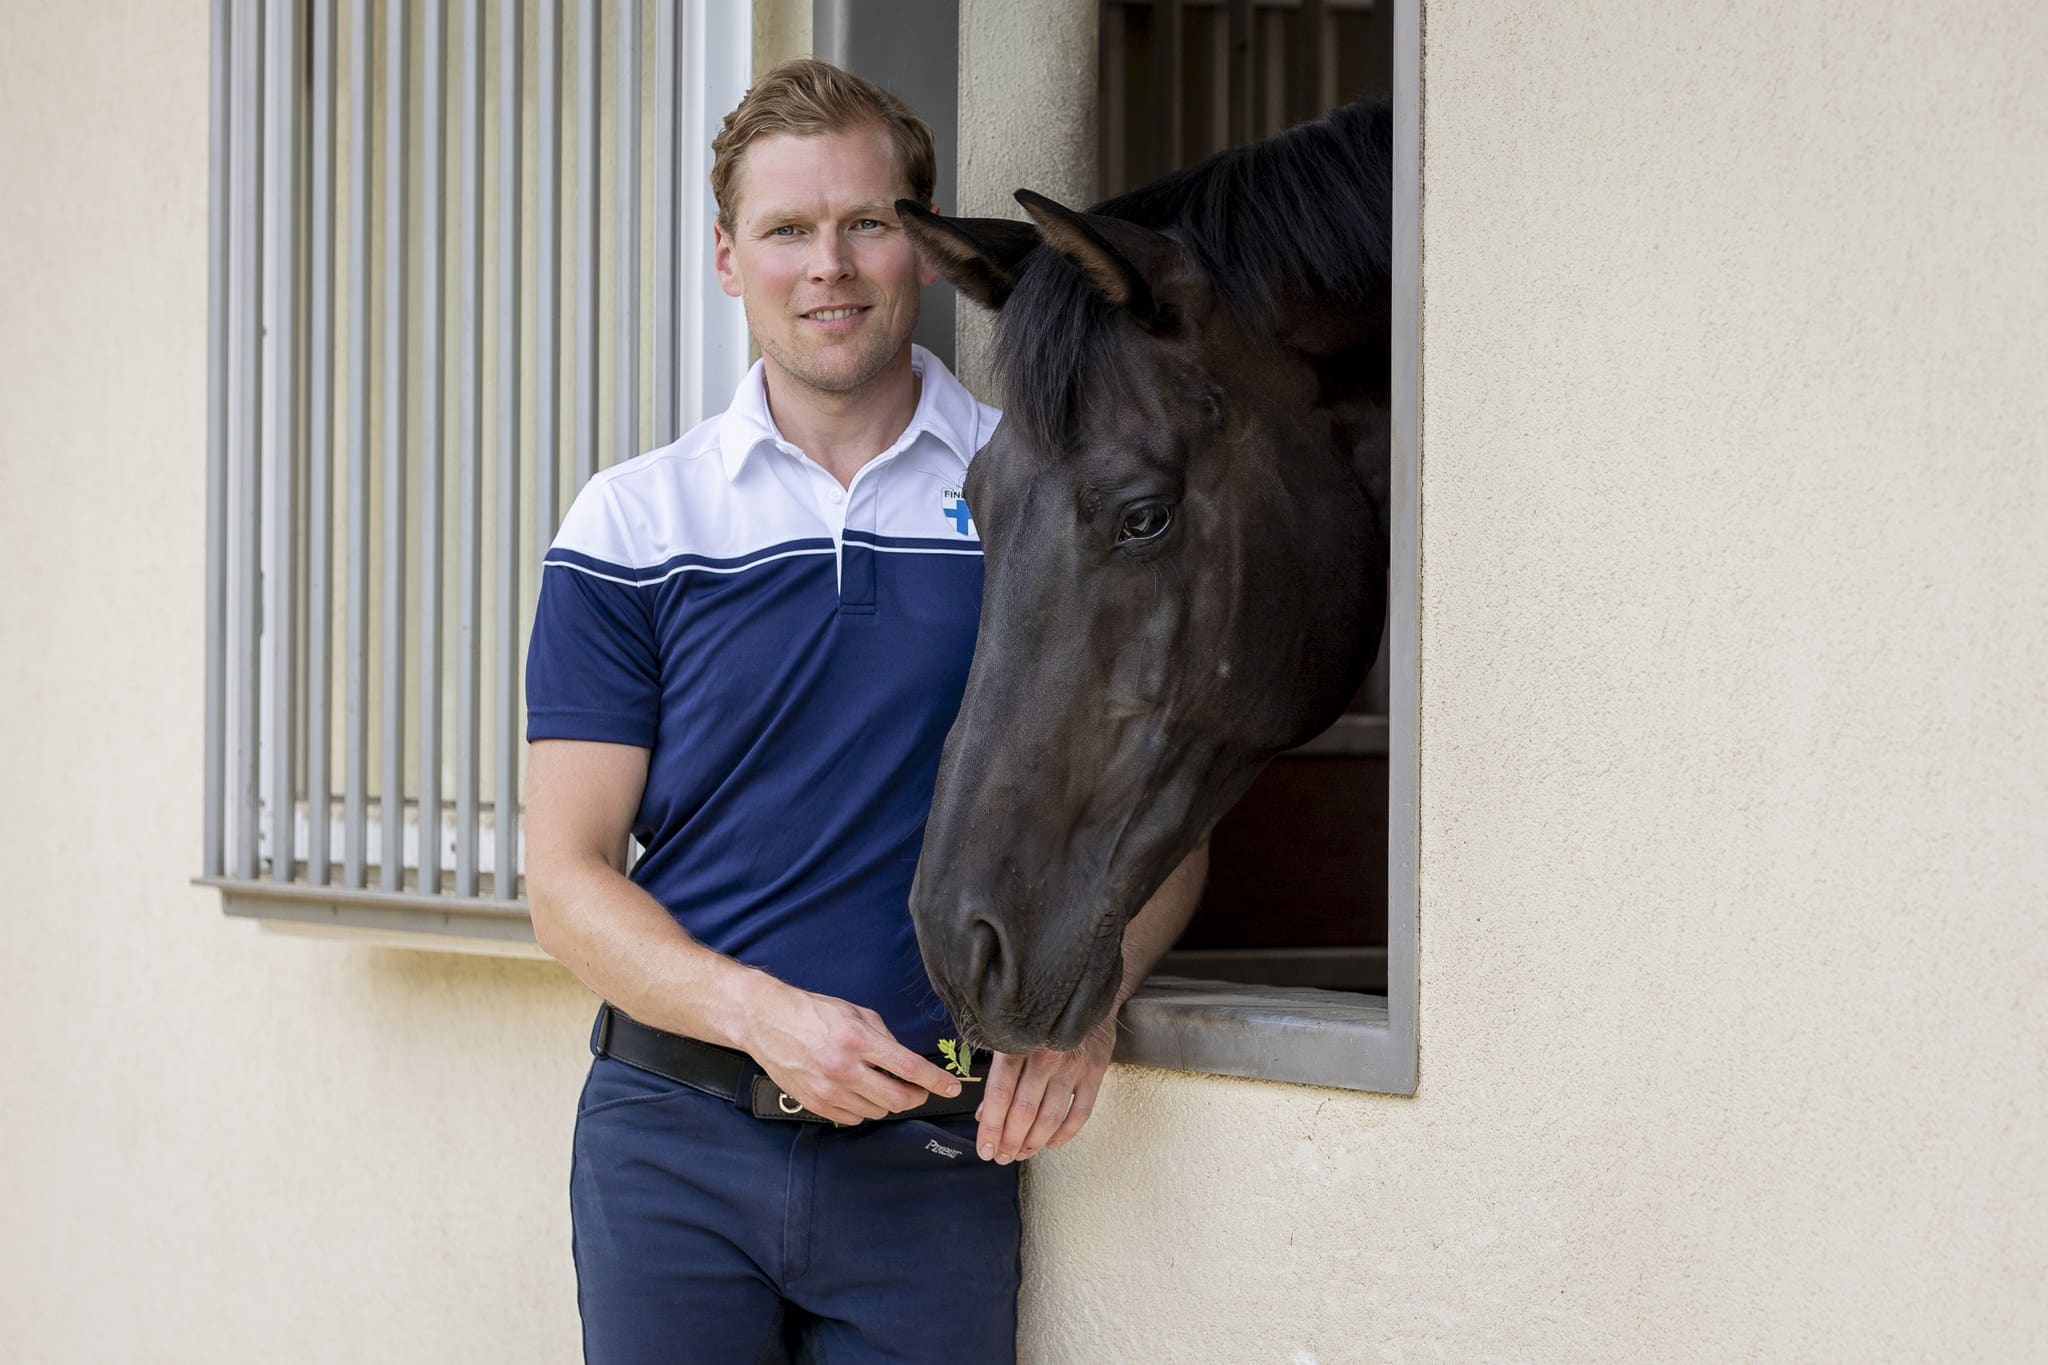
<point>834,314</point>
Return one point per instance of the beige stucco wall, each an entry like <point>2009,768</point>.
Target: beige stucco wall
<point>214,1145</point>
<point>1735,741</point>
<point>782,29</point>
<point>1027,121</point>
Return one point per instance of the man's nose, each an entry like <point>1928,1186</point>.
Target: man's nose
<point>830,260</point>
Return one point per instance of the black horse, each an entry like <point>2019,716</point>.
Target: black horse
<point>1184,518</point>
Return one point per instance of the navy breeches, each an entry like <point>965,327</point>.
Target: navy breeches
<point>704,1234</point>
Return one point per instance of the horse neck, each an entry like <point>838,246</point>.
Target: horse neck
<point>1342,347</point>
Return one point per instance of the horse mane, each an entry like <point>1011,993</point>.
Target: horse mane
<point>1308,207</point>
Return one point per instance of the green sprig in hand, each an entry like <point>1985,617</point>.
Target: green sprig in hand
<point>959,1057</point>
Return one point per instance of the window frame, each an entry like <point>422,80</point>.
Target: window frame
<point>283,842</point>
<point>1342,1039</point>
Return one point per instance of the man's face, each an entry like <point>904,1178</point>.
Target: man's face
<point>828,279</point>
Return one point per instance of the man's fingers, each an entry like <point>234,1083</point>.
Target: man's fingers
<point>848,1105</point>
<point>1052,1112</point>
<point>1083,1106</point>
<point>898,1060</point>
<point>834,1102</point>
<point>892,1094</point>
<point>853,1081</point>
<point>1024,1108</point>
<point>842,1063</point>
<point>1003,1071</point>
<point>843,1089</point>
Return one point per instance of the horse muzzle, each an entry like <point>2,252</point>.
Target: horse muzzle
<point>1018,993</point>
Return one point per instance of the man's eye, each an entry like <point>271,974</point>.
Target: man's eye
<point>870,223</point>
<point>784,231</point>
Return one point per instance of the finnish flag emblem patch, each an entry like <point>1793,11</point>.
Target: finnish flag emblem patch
<point>955,509</point>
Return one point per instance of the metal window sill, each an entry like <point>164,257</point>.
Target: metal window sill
<point>1271,1033</point>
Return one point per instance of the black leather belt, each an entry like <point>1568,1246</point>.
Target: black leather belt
<point>733,1075</point>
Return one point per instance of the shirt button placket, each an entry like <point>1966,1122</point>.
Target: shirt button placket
<point>832,500</point>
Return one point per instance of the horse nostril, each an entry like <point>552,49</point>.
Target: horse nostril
<point>985,957</point>
<point>984,947</point>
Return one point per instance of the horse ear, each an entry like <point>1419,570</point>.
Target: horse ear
<point>1107,251</point>
<point>979,255</point>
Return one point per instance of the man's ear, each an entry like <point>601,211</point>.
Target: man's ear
<point>722,260</point>
<point>979,255</point>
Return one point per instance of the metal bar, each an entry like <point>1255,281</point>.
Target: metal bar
<point>258,901</point>
<point>1404,704</point>
<point>320,450</point>
<point>245,600</point>
<point>547,365</point>
<point>1306,100</point>
<point>587,91</point>
<point>280,324</point>
<point>1328,95</point>
<point>432,367</point>
<point>1215,92</point>
<point>722,35</point>
<point>1238,94</point>
<point>1273,47</point>
<point>1349,736</point>
<point>356,685</point>
<point>219,273</point>
<point>664,358</point>
<point>1330,969</point>
<point>500,933</point>
<point>505,763</point>
<point>391,815</point>
<point>469,457</point>
<point>695,238</point>
<point>1166,83</point>
<point>1112,83</point>
<point>626,262</point>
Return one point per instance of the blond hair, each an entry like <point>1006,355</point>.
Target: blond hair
<point>807,97</point>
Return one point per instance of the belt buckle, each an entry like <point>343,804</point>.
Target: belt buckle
<point>782,1105</point>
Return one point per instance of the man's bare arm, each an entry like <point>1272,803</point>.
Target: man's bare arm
<point>836,1057</point>
<point>1154,930</point>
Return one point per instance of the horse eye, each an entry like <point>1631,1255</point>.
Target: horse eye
<point>1145,521</point>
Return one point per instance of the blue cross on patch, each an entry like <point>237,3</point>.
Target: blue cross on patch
<point>955,508</point>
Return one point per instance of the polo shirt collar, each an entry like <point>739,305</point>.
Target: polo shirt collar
<point>944,408</point>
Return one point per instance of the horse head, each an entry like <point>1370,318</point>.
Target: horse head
<point>1185,574</point>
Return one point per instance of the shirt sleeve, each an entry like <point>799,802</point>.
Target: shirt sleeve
<point>593,670</point>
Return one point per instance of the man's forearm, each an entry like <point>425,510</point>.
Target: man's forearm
<point>620,942</point>
<point>1159,925</point>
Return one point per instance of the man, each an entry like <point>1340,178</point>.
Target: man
<point>748,649</point>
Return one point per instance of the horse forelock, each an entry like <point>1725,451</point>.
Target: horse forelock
<point>1307,209</point>
<point>1053,333</point>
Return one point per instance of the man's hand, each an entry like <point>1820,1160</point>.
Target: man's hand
<point>1039,1100</point>
<point>838,1058</point>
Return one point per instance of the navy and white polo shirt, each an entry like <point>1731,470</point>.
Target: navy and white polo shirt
<point>791,653</point>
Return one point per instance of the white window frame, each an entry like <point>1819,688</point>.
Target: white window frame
<point>285,842</point>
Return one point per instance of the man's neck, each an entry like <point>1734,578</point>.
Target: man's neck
<point>843,431</point>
